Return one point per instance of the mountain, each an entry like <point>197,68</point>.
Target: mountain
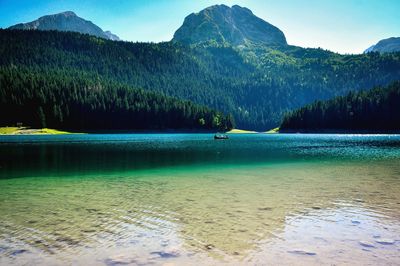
<point>112,36</point>
<point>256,89</point>
<point>66,21</point>
<point>256,83</point>
<point>386,46</point>
<point>375,110</point>
<point>369,49</point>
<point>228,25</point>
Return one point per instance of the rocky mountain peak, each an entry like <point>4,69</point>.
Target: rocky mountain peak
<point>66,21</point>
<point>234,25</point>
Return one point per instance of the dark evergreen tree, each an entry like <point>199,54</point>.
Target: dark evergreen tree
<point>67,99</point>
<point>257,84</point>
<point>375,110</point>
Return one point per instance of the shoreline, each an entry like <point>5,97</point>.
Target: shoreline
<point>337,131</point>
<point>241,131</point>
<point>24,131</point>
<point>13,131</point>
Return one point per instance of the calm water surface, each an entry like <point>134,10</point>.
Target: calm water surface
<point>185,199</point>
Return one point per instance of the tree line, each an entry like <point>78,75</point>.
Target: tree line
<point>377,110</point>
<point>257,85</point>
<point>74,100</point>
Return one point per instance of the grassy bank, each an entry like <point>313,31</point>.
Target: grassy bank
<point>49,131</point>
<point>273,131</point>
<point>30,131</point>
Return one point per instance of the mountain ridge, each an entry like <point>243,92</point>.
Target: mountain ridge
<point>66,21</point>
<point>256,83</point>
<point>388,45</point>
<point>257,89</point>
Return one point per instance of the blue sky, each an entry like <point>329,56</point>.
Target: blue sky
<point>345,26</point>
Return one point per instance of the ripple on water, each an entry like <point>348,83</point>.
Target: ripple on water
<point>311,211</point>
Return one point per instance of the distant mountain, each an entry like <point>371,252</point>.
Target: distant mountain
<point>66,21</point>
<point>370,49</point>
<point>112,36</point>
<point>228,25</point>
<point>385,46</point>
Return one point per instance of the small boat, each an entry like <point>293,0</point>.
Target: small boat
<point>221,136</point>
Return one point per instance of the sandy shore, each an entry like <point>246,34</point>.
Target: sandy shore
<point>241,131</point>
<point>30,131</point>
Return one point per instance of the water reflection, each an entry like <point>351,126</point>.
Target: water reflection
<point>22,156</point>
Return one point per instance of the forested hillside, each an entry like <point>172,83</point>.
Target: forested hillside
<point>256,84</point>
<point>74,100</point>
<point>377,109</point>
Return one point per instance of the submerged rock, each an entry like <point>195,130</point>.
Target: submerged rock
<point>319,238</point>
<point>169,253</point>
<point>209,246</point>
<point>386,241</point>
<point>265,209</point>
<point>18,252</point>
<point>69,241</point>
<point>164,243</point>
<point>120,259</point>
<point>302,252</point>
<point>366,244</point>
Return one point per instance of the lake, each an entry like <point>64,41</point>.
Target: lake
<point>187,199</point>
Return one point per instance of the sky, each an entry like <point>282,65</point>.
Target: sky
<point>344,26</point>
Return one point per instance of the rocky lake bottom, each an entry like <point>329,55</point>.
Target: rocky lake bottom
<point>185,199</point>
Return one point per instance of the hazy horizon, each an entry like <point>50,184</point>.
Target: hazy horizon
<point>340,26</point>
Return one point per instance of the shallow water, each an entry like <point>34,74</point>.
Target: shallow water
<point>187,199</point>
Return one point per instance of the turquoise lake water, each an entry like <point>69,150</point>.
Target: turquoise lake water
<point>187,199</point>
